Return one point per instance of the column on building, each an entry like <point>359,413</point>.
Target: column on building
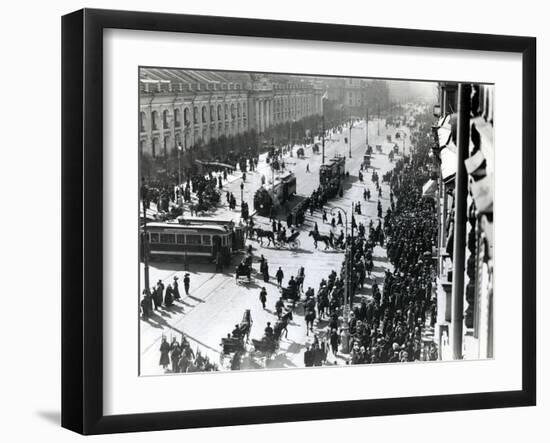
<point>257,114</point>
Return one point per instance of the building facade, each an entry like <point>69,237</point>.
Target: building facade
<point>180,107</point>
<point>464,326</point>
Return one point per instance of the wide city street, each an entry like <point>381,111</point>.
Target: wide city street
<point>217,301</point>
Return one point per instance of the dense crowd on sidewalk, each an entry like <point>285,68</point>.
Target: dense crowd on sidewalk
<point>387,326</point>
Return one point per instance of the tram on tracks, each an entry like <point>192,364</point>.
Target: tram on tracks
<point>186,238</point>
<point>269,197</point>
<point>334,171</point>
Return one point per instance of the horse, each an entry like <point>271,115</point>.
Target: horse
<point>318,237</point>
<point>282,325</point>
<point>262,233</point>
<point>310,317</point>
<point>300,278</point>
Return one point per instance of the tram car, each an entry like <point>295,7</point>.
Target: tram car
<point>333,171</point>
<point>191,239</point>
<point>276,194</point>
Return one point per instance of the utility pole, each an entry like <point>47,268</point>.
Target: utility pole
<point>461,194</point>
<point>378,118</point>
<point>144,196</point>
<point>323,128</point>
<point>367,129</point>
<point>350,126</point>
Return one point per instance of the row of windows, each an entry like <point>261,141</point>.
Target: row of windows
<point>183,239</point>
<point>229,111</point>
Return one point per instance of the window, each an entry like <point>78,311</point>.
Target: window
<point>212,113</point>
<point>180,240</point>
<point>177,118</point>
<point>165,119</point>
<point>219,112</point>
<point>155,147</point>
<point>193,239</point>
<point>167,238</point>
<point>154,120</point>
<point>206,240</point>
<point>203,112</point>
<point>142,121</point>
<point>154,237</point>
<point>195,115</point>
<point>186,116</point>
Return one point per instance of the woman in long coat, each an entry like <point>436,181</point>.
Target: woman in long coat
<point>164,353</point>
<point>175,289</point>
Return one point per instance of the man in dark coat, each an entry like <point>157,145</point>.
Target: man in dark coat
<point>146,305</point>
<point>308,357</point>
<point>334,341</point>
<point>280,275</point>
<point>186,283</point>
<point>158,295</point>
<point>263,297</point>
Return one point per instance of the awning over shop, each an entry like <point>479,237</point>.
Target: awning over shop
<point>474,163</point>
<point>444,131</point>
<point>486,135</point>
<point>448,157</point>
<point>482,193</point>
<point>429,189</point>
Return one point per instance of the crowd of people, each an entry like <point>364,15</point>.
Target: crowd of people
<point>177,357</point>
<point>388,325</point>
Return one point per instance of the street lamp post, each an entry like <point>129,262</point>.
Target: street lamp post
<point>378,132</point>
<point>347,276</point>
<point>367,129</point>
<point>242,188</point>
<point>179,148</point>
<point>350,127</point>
<point>323,129</point>
<point>144,192</point>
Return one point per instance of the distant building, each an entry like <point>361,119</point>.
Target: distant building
<point>357,94</point>
<point>184,107</point>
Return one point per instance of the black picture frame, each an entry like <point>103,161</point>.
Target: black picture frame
<point>82,215</point>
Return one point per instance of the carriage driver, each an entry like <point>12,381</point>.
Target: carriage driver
<point>236,332</point>
<point>268,330</point>
<point>292,284</point>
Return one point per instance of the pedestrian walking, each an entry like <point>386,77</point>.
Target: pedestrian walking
<point>186,283</point>
<point>164,353</point>
<point>340,223</point>
<point>175,288</point>
<point>325,218</point>
<point>307,167</point>
<point>263,297</point>
<point>279,275</point>
<point>168,296</point>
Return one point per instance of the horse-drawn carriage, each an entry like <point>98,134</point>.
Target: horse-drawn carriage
<point>366,161</point>
<point>300,153</point>
<point>291,241</point>
<point>315,148</point>
<point>269,343</point>
<point>235,342</point>
<point>244,268</point>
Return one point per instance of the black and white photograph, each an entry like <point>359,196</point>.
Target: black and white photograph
<point>292,221</point>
